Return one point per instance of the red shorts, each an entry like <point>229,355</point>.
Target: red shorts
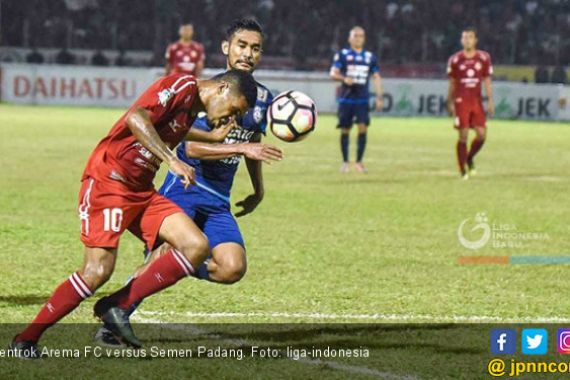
<point>106,209</point>
<point>469,115</point>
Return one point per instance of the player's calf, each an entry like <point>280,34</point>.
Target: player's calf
<point>461,148</point>
<point>476,146</point>
<point>97,268</point>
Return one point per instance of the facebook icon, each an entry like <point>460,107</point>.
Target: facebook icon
<point>503,342</point>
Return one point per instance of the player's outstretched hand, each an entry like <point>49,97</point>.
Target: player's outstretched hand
<point>184,171</point>
<point>248,204</point>
<point>262,152</point>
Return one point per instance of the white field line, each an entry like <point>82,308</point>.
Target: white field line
<point>240,342</point>
<point>357,317</point>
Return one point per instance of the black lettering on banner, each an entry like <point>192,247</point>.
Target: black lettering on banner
<point>543,107</point>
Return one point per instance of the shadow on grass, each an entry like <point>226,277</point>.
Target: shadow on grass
<point>33,299</point>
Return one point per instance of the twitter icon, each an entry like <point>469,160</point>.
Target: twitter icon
<point>534,341</point>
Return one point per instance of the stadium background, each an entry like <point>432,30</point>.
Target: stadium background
<point>528,41</point>
<point>322,247</point>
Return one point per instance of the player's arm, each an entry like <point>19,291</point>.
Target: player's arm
<point>336,72</point>
<point>199,68</point>
<point>450,86</point>
<point>216,135</point>
<point>167,66</point>
<point>200,63</point>
<point>488,85</point>
<point>337,75</point>
<point>450,92</point>
<point>489,91</point>
<point>144,131</point>
<point>251,151</point>
<point>254,169</point>
<point>377,82</point>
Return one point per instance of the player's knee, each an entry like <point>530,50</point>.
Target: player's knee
<point>97,273</point>
<point>233,271</point>
<point>195,247</point>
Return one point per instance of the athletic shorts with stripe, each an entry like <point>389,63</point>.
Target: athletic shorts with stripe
<point>108,208</point>
<point>469,114</point>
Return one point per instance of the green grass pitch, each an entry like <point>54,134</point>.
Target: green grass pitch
<point>323,246</point>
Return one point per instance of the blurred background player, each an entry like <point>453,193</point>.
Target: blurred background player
<point>185,55</point>
<point>353,67</point>
<point>466,70</point>
<point>208,204</point>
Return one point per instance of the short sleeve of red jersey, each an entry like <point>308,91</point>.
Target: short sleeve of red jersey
<point>488,65</point>
<point>452,67</point>
<point>201,52</point>
<point>168,96</point>
<point>168,53</point>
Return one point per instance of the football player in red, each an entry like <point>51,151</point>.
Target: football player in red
<point>185,55</point>
<point>117,194</point>
<point>467,69</point>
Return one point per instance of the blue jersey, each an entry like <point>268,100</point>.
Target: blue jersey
<point>215,177</point>
<point>359,67</point>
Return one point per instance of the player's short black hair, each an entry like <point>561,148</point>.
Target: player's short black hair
<point>245,23</point>
<point>243,82</point>
<point>471,29</point>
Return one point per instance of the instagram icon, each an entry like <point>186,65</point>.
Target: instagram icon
<point>563,341</point>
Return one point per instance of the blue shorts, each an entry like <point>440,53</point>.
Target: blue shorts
<point>210,213</point>
<point>349,113</point>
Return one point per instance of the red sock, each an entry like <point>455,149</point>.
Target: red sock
<point>64,300</point>
<point>476,146</point>
<point>162,273</point>
<point>461,155</point>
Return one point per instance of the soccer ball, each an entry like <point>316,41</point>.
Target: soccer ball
<point>292,116</point>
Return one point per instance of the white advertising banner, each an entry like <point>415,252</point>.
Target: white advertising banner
<point>73,85</point>
<point>512,100</point>
<point>119,87</point>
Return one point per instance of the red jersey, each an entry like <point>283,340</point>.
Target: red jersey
<point>183,58</point>
<point>468,73</point>
<point>120,157</point>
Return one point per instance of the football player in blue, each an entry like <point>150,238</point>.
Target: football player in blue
<point>353,67</point>
<point>208,202</point>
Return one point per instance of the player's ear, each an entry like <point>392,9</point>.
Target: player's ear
<point>223,87</point>
<point>225,47</point>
